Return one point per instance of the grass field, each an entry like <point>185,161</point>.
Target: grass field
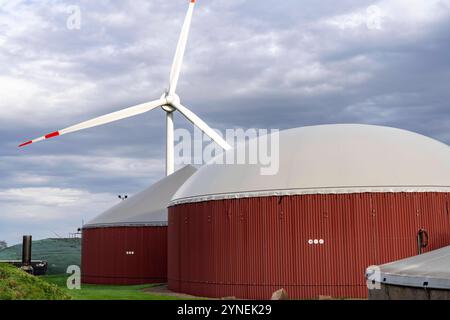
<point>60,253</point>
<point>100,292</point>
<point>18,285</point>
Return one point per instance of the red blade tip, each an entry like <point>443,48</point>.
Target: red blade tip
<point>25,144</point>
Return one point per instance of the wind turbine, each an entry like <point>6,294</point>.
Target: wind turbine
<point>169,102</point>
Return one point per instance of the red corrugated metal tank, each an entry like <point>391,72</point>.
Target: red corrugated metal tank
<point>124,255</point>
<point>251,247</point>
<point>345,197</point>
<point>127,244</point>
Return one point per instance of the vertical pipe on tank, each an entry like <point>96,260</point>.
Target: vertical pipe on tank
<point>26,255</point>
<point>422,239</point>
<point>26,251</point>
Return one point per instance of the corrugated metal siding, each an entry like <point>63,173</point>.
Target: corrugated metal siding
<point>104,258</point>
<point>249,248</point>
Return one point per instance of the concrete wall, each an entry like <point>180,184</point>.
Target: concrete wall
<point>392,292</point>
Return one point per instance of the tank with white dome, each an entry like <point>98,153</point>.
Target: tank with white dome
<point>127,244</point>
<point>345,197</point>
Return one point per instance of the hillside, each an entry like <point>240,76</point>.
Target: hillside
<point>18,285</point>
<point>59,253</point>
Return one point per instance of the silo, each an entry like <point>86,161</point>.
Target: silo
<point>345,197</point>
<point>127,244</point>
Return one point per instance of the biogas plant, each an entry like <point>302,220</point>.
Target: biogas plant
<point>345,198</point>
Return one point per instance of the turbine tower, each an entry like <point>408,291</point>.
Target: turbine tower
<point>169,102</point>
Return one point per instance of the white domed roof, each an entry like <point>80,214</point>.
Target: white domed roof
<point>147,208</point>
<point>343,158</point>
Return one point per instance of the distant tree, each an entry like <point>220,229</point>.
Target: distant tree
<point>3,244</point>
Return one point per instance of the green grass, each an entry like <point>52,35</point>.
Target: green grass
<point>15,284</point>
<point>106,292</point>
<point>61,253</point>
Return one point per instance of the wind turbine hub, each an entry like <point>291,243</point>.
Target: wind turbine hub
<point>171,99</point>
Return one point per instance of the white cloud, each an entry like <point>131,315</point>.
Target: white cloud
<point>93,166</point>
<point>51,203</point>
<point>371,18</point>
<point>30,179</point>
<point>46,212</point>
<point>404,17</point>
<point>416,13</point>
<point>47,69</point>
<point>20,18</point>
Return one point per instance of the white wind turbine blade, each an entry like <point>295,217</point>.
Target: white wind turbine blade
<point>181,47</point>
<point>192,117</point>
<point>110,117</point>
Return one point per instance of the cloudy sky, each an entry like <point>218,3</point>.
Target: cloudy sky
<point>249,64</point>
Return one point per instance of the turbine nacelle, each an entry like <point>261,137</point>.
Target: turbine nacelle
<point>171,99</point>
